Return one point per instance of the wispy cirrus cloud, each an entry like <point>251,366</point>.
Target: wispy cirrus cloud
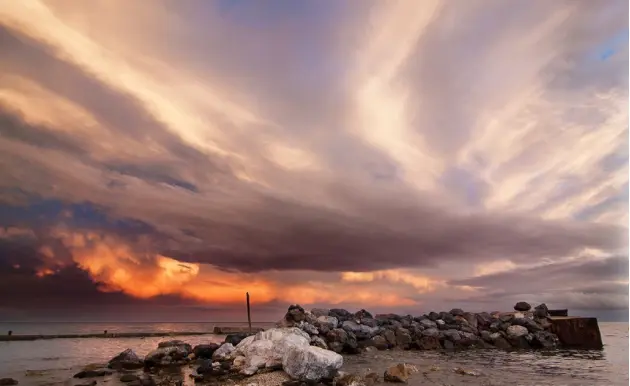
<point>310,151</point>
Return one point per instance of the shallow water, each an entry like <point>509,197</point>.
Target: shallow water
<point>53,362</point>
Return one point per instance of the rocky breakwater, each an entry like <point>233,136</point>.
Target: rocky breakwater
<point>341,331</point>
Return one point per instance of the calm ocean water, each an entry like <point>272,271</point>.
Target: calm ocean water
<point>53,362</point>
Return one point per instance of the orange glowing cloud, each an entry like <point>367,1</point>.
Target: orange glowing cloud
<point>422,284</point>
<point>116,266</point>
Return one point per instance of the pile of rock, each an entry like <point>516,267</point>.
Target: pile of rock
<point>345,332</point>
<point>287,349</point>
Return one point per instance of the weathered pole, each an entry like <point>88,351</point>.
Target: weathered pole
<point>249,318</point>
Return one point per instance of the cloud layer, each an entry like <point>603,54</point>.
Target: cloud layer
<point>316,153</point>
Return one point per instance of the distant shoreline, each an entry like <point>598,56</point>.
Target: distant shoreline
<point>15,338</point>
<point>217,330</point>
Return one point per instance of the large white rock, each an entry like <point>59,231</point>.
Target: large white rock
<point>224,352</point>
<point>267,348</point>
<point>516,331</point>
<point>242,345</point>
<point>275,334</point>
<point>311,363</point>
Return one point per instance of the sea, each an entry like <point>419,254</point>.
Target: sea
<point>54,361</point>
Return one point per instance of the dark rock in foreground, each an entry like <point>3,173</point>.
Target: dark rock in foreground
<point>8,382</point>
<point>126,360</point>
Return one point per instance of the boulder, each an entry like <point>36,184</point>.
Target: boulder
<point>529,324</point>
<point>522,306</point>
<point>452,335</point>
<point>431,332</point>
<point>168,353</point>
<point>126,360</point>
<point>8,382</point>
<point>515,331</point>
<point>390,336</point>
<point>354,380</point>
<point>236,338</point>
<point>399,373</point>
<point>359,330</point>
<point>457,312</point>
<point>427,323</point>
<point>311,363</point>
<point>428,343</point>
<point>175,343</point>
<point>294,316</point>
<point>471,319</point>
<point>341,314</point>
<point>224,352</point>
<point>545,340</point>
<point>318,341</point>
<point>433,316</point>
<point>327,321</point>
<point>336,339</point>
<point>541,311</point>
<point>363,314</point>
<point>309,328</point>
<point>267,348</point>
<point>484,320</point>
<point>280,333</point>
<point>317,312</point>
<point>352,344</point>
<point>205,350</point>
<point>403,338</point>
<point>379,342</point>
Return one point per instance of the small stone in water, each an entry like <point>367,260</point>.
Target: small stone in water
<point>462,371</point>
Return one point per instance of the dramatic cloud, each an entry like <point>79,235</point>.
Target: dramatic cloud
<point>443,154</point>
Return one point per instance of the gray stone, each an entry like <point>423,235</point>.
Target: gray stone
<point>426,323</point>
<point>379,342</point>
<point>311,363</point>
<point>452,335</point>
<point>430,332</point>
<point>403,338</point>
<point>317,312</point>
<point>516,331</point>
<point>522,306</point>
<point>329,321</point>
<point>319,342</point>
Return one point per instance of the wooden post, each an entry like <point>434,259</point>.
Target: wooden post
<point>249,318</point>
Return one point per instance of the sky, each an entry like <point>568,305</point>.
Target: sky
<point>160,159</point>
